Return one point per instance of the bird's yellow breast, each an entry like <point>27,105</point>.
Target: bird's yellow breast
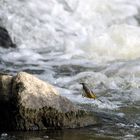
<point>90,95</point>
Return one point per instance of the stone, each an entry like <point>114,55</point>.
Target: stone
<point>4,135</point>
<point>5,39</point>
<point>32,104</point>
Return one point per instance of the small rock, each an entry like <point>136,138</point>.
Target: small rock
<point>129,136</point>
<point>46,137</point>
<point>4,135</point>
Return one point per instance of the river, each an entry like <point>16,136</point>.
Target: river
<point>66,42</point>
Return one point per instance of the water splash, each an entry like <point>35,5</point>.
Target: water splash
<point>95,29</point>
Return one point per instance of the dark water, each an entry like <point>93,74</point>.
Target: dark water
<point>104,132</point>
<point>60,135</point>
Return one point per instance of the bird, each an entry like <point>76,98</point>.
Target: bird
<point>88,92</point>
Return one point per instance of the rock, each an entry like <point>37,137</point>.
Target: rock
<point>46,137</point>
<point>31,104</point>
<point>5,39</point>
<point>4,135</point>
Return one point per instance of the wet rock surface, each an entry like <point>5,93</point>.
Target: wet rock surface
<point>5,39</point>
<point>27,103</point>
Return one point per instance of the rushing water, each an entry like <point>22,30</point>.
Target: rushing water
<point>67,42</point>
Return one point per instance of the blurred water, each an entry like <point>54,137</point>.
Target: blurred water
<point>67,42</point>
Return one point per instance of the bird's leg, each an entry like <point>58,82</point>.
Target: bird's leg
<point>100,100</point>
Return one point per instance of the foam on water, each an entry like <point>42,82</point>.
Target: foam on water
<point>96,29</point>
<point>119,42</point>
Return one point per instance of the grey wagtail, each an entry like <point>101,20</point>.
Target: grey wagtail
<point>88,92</point>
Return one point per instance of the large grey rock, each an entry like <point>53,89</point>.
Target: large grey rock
<point>36,105</point>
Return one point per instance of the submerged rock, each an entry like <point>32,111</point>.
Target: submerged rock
<point>5,39</point>
<point>31,104</point>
